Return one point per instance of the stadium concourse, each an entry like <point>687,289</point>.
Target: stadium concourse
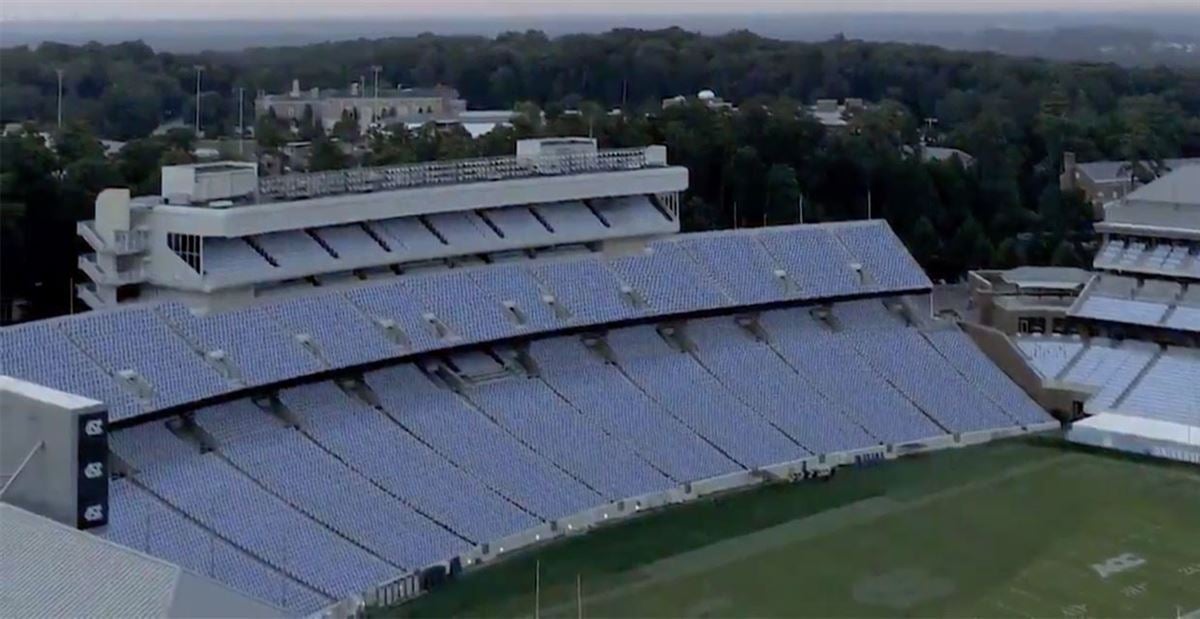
<point>362,440</point>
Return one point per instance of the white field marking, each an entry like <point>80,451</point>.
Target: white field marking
<point>1134,591</point>
<point>1117,565</point>
<point>1024,593</point>
<point>730,550</point>
<point>1015,611</point>
<point>1075,610</point>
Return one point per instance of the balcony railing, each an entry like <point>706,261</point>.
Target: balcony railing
<point>91,266</point>
<point>362,180</point>
<point>124,241</point>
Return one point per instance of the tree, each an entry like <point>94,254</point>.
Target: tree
<point>1066,255</point>
<point>327,155</point>
<point>748,183</point>
<point>269,132</point>
<point>924,242</point>
<point>783,195</point>
<point>970,248</point>
<point>346,128</point>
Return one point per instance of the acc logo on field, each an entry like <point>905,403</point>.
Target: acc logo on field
<point>1118,564</point>
<point>93,470</point>
<point>94,427</point>
<point>93,513</point>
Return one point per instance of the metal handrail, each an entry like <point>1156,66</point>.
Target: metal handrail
<point>361,180</point>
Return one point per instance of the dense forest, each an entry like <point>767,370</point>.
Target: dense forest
<point>750,167</point>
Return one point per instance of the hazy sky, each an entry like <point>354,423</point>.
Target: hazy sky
<point>394,9</point>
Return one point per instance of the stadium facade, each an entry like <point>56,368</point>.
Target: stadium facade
<point>1120,348</point>
<point>330,389</point>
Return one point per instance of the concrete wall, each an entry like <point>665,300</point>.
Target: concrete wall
<point>39,444</point>
<point>1061,398</point>
<point>1129,443</point>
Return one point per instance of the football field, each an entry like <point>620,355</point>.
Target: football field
<point>1026,528</point>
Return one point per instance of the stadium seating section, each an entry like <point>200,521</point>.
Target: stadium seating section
<point>401,240</point>
<point>307,489</point>
<point>1149,302</point>
<point>149,357</point>
<point>1150,256</point>
<point>1128,377</point>
<point>388,471</point>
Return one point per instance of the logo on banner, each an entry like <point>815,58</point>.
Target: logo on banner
<point>94,513</point>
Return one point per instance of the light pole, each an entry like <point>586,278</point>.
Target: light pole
<point>241,121</point>
<point>60,94</point>
<point>375,104</point>
<point>199,68</point>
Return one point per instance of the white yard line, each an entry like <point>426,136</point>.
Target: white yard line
<point>728,551</point>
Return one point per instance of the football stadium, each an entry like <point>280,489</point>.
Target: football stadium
<point>512,387</point>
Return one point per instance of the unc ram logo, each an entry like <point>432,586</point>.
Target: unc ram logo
<point>93,470</point>
<point>93,513</point>
<point>93,427</point>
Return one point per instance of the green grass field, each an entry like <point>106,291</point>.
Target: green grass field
<point>1026,528</point>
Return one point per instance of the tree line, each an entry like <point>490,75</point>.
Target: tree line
<point>752,167</point>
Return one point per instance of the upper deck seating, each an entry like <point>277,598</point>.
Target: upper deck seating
<point>742,266</point>
<point>138,340</point>
<point>261,350</point>
<point>42,353</point>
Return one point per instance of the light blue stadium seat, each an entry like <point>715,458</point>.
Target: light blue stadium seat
<point>295,468</point>
<point>587,289</point>
<point>668,280</point>
<point>140,521</point>
<point>260,348</point>
<point>344,335</point>
<point>529,410</point>
<point>614,403</point>
<point>207,489</point>
<point>42,353</point>
<point>472,441</point>
<point>136,339</point>
<point>814,260</point>
<point>699,401</point>
<point>846,378</point>
<point>762,380</point>
<point>883,256</point>
<point>381,450</point>
<point>742,266</point>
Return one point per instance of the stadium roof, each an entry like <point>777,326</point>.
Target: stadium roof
<point>52,570</point>
<point>1065,278</point>
<point>1102,171</point>
<point>1181,187</point>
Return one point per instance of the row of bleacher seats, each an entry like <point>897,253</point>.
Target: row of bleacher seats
<point>1155,303</point>
<point>299,253</point>
<point>1155,256</point>
<point>149,357</point>
<point>1048,355</point>
<point>1110,368</point>
<point>336,488</point>
<point>1168,390</point>
<point>1127,377</point>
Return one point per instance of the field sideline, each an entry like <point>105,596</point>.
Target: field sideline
<point>1025,528</point>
